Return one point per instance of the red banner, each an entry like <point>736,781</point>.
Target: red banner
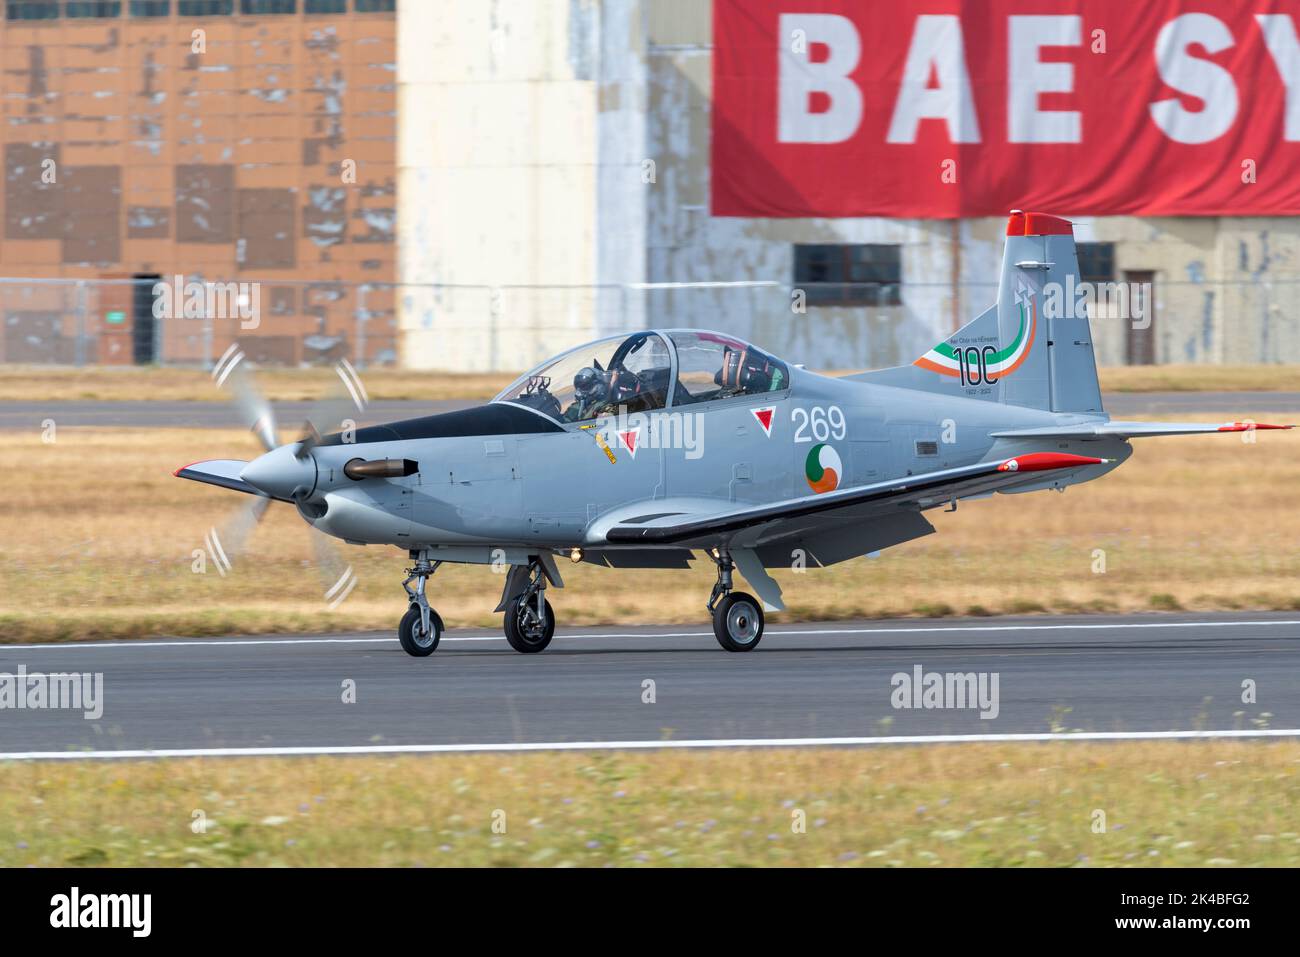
<point>941,108</point>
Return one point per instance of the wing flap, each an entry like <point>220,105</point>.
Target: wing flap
<point>922,491</point>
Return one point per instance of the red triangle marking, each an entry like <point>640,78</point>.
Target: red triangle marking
<point>629,440</point>
<point>764,417</point>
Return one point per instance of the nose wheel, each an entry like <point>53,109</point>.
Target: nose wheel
<point>415,638</point>
<point>420,629</point>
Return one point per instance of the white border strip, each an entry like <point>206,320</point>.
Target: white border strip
<point>915,630</point>
<point>642,745</point>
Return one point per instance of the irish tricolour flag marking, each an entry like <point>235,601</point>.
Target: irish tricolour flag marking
<point>944,358</point>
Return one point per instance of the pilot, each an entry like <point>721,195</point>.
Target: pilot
<point>590,390</point>
<point>743,374</point>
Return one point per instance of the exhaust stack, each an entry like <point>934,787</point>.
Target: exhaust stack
<point>359,469</point>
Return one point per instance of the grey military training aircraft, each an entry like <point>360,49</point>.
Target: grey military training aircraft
<point>642,449</point>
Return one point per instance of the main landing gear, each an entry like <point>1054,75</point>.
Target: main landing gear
<point>421,628</point>
<point>529,620</point>
<point>737,616</point>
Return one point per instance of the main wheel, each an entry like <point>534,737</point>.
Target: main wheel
<point>738,622</point>
<point>525,632</point>
<point>411,632</point>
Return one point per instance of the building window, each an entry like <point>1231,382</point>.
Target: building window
<point>100,9</point>
<point>29,10</point>
<point>863,274</point>
<point>324,6</point>
<point>1096,262</point>
<point>150,8</point>
<point>205,8</point>
<point>267,6</point>
<point>376,6</point>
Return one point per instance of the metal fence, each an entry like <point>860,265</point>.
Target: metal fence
<point>507,328</point>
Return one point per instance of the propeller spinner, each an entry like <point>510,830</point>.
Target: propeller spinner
<point>285,472</point>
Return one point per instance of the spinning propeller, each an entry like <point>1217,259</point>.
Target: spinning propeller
<point>285,472</point>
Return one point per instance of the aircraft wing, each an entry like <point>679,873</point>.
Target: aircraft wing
<point>1133,430</point>
<point>919,491</point>
<point>223,473</point>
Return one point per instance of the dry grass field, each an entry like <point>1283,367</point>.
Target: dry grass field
<point>97,540</point>
<point>1164,804</point>
<point>19,383</point>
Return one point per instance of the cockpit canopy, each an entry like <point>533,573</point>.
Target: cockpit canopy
<point>645,371</point>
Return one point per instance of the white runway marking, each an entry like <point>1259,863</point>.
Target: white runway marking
<point>639,745</point>
<point>795,632</point>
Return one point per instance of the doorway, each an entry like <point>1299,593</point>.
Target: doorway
<point>143,333</point>
<point>1141,339</point>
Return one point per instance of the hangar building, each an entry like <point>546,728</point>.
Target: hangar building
<point>555,178</point>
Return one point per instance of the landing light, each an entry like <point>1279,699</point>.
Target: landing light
<point>575,555</point>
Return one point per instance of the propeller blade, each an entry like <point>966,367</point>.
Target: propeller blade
<point>343,399</point>
<point>309,440</point>
<point>226,544</point>
<point>336,574</point>
<point>231,373</point>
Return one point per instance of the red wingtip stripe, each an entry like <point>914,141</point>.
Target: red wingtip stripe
<point>1044,461</point>
<point>1250,426</point>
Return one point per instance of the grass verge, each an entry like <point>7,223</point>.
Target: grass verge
<point>1057,805</point>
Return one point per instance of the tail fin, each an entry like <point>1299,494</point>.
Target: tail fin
<point>1013,352</point>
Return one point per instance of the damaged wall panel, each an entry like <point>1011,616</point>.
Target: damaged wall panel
<point>226,165</point>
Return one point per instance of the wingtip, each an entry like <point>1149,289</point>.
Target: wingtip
<point>1252,427</point>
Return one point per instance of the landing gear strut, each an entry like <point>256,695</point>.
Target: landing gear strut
<point>737,617</point>
<point>529,620</point>
<point>421,628</point>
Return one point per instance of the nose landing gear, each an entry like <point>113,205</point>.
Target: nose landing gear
<point>420,629</point>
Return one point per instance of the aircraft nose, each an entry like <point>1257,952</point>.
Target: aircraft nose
<point>280,474</point>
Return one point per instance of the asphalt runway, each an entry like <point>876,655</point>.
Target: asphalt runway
<point>191,415</point>
<point>812,682</point>
<point>145,414</point>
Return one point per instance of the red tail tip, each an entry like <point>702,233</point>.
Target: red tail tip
<point>1037,224</point>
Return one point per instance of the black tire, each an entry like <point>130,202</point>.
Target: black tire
<point>408,632</point>
<point>738,622</point>
<point>523,640</point>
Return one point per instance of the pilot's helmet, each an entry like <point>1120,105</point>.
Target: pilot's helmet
<point>589,383</point>
<point>744,372</point>
<point>755,379</point>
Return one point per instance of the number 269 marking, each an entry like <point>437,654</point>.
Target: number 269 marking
<point>818,423</point>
